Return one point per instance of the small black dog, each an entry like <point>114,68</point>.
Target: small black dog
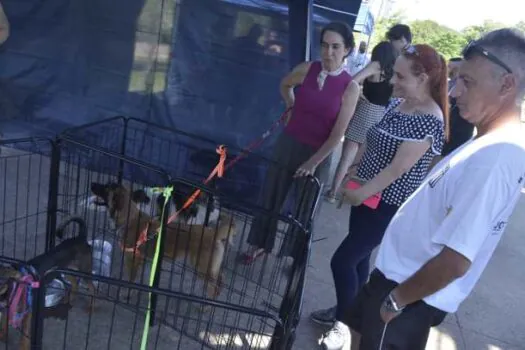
<point>72,253</point>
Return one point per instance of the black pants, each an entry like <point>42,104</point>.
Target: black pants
<point>351,261</point>
<point>408,331</point>
<point>288,155</point>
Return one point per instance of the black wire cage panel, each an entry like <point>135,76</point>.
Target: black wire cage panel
<point>227,304</point>
<point>25,178</point>
<point>191,157</point>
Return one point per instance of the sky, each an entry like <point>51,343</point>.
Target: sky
<point>458,14</point>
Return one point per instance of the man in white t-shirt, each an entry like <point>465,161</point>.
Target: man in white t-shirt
<point>441,239</point>
<point>358,60</point>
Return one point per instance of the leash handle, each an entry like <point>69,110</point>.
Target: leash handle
<point>154,264</point>
<point>383,337</point>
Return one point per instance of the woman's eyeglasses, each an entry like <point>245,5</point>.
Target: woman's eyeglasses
<point>474,49</point>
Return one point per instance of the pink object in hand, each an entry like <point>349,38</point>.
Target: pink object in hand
<point>371,202</point>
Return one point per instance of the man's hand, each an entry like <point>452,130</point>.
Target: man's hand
<point>387,315</point>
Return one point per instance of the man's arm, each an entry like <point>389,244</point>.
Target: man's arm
<point>435,275</point>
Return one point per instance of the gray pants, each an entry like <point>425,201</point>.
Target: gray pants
<point>289,154</point>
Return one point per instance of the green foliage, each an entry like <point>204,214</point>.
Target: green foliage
<point>446,41</point>
<point>474,32</point>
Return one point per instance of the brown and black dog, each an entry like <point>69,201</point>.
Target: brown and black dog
<point>205,246</point>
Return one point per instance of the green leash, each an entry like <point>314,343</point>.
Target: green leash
<point>167,195</point>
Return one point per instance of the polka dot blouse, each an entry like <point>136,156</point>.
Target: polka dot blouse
<point>383,140</point>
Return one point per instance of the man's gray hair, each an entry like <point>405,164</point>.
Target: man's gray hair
<point>508,45</point>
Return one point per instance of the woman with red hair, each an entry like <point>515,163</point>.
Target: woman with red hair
<point>392,164</point>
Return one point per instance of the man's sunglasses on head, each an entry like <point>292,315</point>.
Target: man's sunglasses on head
<point>474,48</point>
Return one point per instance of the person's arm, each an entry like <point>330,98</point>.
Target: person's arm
<point>291,80</point>
<point>346,112</point>
<point>407,155</point>
<point>370,69</point>
<point>4,26</point>
<point>474,207</point>
<point>359,154</point>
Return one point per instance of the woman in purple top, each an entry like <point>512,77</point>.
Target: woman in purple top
<point>324,101</point>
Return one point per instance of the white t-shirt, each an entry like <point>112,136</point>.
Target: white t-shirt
<point>356,62</point>
<point>464,204</point>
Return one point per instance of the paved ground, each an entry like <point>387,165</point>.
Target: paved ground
<point>490,319</point>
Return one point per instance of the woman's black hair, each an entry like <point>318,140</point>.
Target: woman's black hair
<point>342,29</point>
<point>384,54</point>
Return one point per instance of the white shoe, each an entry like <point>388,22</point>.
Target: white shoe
<point>337,338</point>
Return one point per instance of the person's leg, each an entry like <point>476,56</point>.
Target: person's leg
<point>288,155</point>
<point>348,263</point>
<point>363,271</point>
<point>346,334</point>
<point>264,227</point>
<point>347,157</point>
<point>328,316</point>
<point>277,181</point>
<point>351,262</point>
<point>305,191</point>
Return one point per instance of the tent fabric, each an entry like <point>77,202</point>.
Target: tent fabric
<point>365,20</point>
<point>201,66</point>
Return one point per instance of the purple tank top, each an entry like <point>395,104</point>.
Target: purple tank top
<point>315,111</point>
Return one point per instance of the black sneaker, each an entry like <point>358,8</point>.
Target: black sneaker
<point>324,317</point>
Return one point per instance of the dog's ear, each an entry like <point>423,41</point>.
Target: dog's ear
<point>140,196</point>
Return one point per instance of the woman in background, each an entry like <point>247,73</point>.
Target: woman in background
<point>320,112</point>
<point>370,108</point>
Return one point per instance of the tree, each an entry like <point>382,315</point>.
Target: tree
<point>446,41</point>
<point>475,32</point>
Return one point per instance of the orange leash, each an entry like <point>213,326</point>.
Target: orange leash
<point>217,171</point>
